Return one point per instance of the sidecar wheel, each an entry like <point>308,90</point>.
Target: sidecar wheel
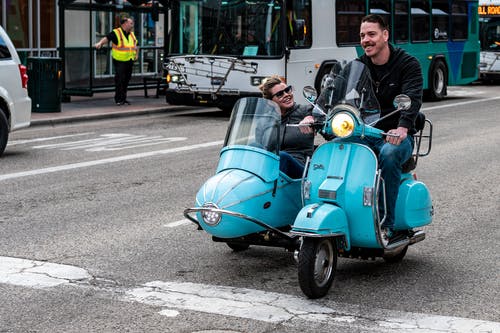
<point>395,257</point>
<point>237,247</point>
<point>317,264</point>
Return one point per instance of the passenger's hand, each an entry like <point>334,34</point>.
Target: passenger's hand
<point>397,135</point>
<point>309,120</point>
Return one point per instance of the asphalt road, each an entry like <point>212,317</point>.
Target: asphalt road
<point>93,238</point>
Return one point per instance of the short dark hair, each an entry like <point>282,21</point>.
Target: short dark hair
<point>124,19</point>
<point>375,18</point>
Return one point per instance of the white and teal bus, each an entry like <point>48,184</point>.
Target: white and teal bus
<point>219,50</point>
<point>489,36</point>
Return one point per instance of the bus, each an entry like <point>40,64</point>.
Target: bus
<point>489,37</point>
<point>221,50</point>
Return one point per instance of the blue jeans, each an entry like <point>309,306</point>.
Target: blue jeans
<point>391,159</point>
<point>290,166</point>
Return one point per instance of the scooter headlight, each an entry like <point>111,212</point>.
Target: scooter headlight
<point>342,124</point>
<point>210,217</point>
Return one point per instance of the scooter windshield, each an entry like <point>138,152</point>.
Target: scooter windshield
<point>255,122</point>
<point>352,86</point>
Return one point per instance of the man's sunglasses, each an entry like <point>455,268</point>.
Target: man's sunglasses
<point>280,93</point>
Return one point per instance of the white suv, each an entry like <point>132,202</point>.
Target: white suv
<point>15,105</point>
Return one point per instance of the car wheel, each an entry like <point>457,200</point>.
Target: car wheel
<point>4,131</point>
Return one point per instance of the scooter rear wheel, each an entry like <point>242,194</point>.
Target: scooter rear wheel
<point>237,247</point>
<point>317,264</point>
<point>396,257</point>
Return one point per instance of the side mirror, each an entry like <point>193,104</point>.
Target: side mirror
<point>402,102</point>
<point>310,94</point>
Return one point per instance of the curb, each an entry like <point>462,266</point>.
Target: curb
<point>63,119</point>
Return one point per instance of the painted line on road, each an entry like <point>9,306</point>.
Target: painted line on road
<point>50,138</point>
<point>106,161</point>
<point>178,223</point>
<point>444,106</point>
<point>246,303</point>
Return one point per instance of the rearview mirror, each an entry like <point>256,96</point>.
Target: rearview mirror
<point>310,93</point>
<point>402,102</point>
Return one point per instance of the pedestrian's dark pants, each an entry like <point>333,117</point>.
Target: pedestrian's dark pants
<point>123,73</point>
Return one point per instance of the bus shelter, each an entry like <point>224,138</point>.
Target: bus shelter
<point>86,70</point>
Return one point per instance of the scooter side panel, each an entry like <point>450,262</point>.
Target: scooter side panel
<point>414,205</point>
<point>341,173</point>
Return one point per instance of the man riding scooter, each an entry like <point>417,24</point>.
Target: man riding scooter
<point>393,72</point>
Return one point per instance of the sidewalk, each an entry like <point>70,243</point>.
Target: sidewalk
<point>102,105</point>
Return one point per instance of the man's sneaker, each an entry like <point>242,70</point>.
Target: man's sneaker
<point>119,103</point>
<point>126,102</point>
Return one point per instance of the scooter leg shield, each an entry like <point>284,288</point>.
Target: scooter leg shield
<point>322,220</point>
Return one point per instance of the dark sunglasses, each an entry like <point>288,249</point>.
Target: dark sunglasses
<point>280,93</point>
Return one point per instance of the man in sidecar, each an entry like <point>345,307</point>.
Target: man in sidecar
<point>393,72</point>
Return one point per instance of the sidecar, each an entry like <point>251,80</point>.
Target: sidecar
<point>248,200</point>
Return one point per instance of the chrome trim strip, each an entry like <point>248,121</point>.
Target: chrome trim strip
<point>187,211</point>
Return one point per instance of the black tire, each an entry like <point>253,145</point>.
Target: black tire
<point>438,81</point>
<point>396,257</point>
<point>238,247</point>
<point>317,265</point>
<point>4,131</point>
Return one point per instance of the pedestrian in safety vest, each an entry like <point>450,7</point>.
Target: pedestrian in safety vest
<point>124,53</point>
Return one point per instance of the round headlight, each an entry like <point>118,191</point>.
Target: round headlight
<point>210,217</point>
<point>342,125</point>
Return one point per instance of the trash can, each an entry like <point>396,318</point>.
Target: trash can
<point>44,84</point>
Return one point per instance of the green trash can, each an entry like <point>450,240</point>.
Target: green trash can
<point>44,84</point>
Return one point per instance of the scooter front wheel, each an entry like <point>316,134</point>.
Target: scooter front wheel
<point>317,264</point>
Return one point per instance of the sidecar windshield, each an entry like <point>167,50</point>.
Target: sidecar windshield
<point>353,86</point>
<point>255,122</point>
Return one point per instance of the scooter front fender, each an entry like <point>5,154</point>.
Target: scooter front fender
<point>322,220</point>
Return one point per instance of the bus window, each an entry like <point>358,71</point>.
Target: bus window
<point>459,24</point>
<point>420,21</point>
<point>491,37</point>
<point>440,20</point>
<point>382,8</point>
<point>299,23</point>
<point>401,22</point>
<point>349,15</point>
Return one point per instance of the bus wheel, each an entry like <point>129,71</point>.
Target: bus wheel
<point>437,81</point>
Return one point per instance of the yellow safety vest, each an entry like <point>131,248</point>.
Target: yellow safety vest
<point>127,47</point>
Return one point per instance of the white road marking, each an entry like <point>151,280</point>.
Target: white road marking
<point>38,274</point>
<point>238,302</point>
<point>275,308</point>
<point>110,142</point>
<point>178,223</point>
<point>79,165</point>
<point>452,105</point>
<point>20,142</point>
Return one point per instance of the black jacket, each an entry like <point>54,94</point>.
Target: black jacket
<point>401,75</point>
<point>293,141</point>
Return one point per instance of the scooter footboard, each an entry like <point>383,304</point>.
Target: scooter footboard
<point>322,220</point>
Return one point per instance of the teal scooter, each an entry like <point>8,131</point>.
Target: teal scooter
<point>333,210</point>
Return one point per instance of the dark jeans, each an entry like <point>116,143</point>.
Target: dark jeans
<point>391,158</point>
<point>123,73</point>
<point>290,166</point>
